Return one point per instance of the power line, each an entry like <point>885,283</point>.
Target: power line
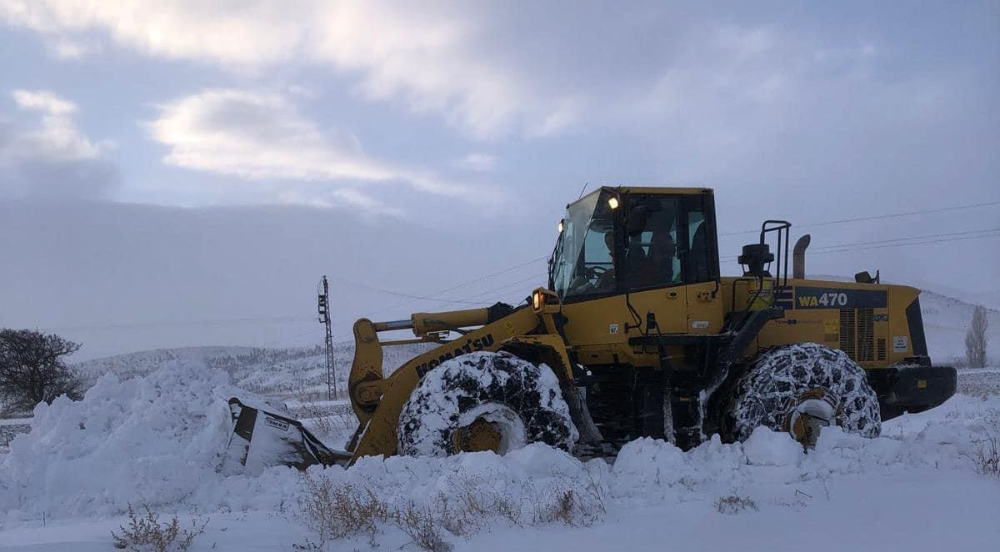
<point>877,217</point>
<point>477,280</point>
<point>398,294</point>
<point>434,296</point>
<point>465,300</point>
<point>883,244</point>
<point>994,235</point>
<point>517,283</point>
<point>929,236</point>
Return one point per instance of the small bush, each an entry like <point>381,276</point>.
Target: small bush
<point>145,533</point>
<point>337,511</point>
<point>569,505</point>
<point>735,504</point>
<point>986,458</point>
<point>422,526</point>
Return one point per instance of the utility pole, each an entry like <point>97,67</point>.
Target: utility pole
<point>323,291</point>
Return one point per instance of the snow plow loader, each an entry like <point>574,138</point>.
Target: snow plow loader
<point>637,334</point>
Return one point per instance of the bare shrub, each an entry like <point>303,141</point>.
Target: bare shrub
<point>423,527</point>
<point>975,338</point>
<point>986,457</point>
<point>570,505</point>
<point>145,533</point>
<point>481,501</point>
<point>335,511</point>
<point>735,504</point>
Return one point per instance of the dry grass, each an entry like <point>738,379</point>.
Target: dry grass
<point>986,457</point>
<point>423,526</point>
<point>145,533</point>
<point>336,510</point>
<point>569,504</point>
<point>735,504</point>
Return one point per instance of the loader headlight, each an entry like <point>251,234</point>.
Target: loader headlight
<point>561,226</point>
<point>613,202</point>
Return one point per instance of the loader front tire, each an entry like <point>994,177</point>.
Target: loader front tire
<point>800,389</point>
<point>485,401</point>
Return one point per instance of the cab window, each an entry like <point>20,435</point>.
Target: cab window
<point>699,253</point>
<point>583,261</point>
<point>651,256</point>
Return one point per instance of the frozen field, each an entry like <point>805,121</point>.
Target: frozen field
<point>156,441</point>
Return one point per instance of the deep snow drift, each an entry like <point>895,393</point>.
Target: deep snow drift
<point>157,440</point>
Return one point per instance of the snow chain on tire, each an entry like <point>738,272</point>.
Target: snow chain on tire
<point>475,383</point>
<point>778,377</point>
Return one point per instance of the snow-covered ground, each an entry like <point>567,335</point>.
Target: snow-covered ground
<point>157,440</point>
<point>152,431</point>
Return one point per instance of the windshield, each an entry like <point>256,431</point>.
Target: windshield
<point>583,263</point>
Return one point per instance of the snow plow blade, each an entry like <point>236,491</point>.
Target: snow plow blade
<point>276,441</point>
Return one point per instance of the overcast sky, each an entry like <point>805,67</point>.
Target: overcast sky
<point>182,173</point>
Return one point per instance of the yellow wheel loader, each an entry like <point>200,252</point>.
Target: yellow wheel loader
<point>636,335</point>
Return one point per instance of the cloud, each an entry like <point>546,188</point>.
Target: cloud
<point>478,162</point>
<point>339,198</point>
<point>70,49</point>
<point>261,136</point>
<point>54,158</point>
<point>430,57</point>
<point>740,98</point>
<point>44,101</point>
<point>58,137</point>
<point>366,203</point>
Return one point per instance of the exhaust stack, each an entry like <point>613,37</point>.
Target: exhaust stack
<point>799,257</point>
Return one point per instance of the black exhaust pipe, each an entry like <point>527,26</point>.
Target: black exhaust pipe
<point>799,257</point>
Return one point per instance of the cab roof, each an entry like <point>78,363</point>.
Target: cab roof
<point>649,190</point>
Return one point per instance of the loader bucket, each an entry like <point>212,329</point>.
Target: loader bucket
<point>262,439</point>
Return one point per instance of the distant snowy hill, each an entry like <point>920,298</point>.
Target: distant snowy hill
<point>299,371</point>
<point>283,372</point>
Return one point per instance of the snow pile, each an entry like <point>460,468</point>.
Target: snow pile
<point>649,471</point>
<point>154,440</point>
<point>158,440</point>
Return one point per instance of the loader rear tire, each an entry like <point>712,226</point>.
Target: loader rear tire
<point>496,399</point>
<point>800,388</point>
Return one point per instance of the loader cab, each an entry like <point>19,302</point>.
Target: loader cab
<point>623,240</point>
